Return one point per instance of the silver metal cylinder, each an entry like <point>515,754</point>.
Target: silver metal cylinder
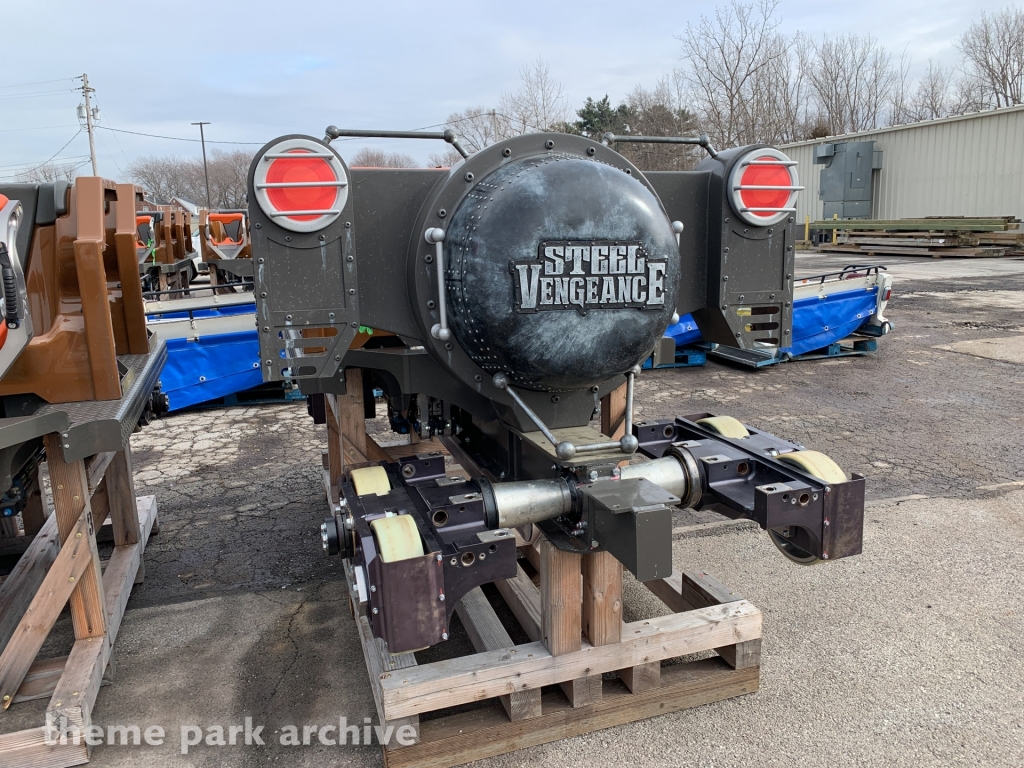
<point>676,472</point>
<point>666,472</point>
<point>530,501</point>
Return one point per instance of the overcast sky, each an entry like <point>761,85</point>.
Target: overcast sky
<point>259,69</point>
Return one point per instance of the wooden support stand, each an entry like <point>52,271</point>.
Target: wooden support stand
<point>62,565</point>
<point>583,669</point>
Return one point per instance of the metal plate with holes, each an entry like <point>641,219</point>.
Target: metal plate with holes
<point>97,425</point>
<point>306,281</point>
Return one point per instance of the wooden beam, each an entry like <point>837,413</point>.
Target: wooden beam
<point>350,414</point>
<point>70,488</point>
<point>43,676</point>
<point>486,633</point>
<point>486,732</point>
<point>120,482</point>
<point>695,589</point>
<point>96,467</point>
<point>64,576</point>
<point>376,670</point>
<point>602,598</point>
<point>560,599</point>
<point>523,599</point>
<point>75,694</point>
<point>602,611</point>
<point>613,413</point>
<point>22,584</point>
<point>335,448</point>
<point>32,747</point>
<point>487,675</point>
<point>35,512</point>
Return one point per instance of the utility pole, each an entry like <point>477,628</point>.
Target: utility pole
<point>86,90</point>
<point>206,171</point>
<point>494,125</point>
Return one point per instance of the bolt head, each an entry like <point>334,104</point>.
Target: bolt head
<point>444,635</point>
<point>441,597</point>
<point>375,611</point>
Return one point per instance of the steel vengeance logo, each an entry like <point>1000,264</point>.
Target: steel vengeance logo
<point>585,275</point>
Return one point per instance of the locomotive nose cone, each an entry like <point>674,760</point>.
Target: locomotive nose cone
<point>563,272</point>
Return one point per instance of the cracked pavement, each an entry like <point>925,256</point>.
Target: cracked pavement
<point>909,655</point>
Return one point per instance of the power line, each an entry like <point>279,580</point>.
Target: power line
<point>41,128</point>
<point>39,82</point>
<point>179,138</point>
<point>55,153</point>
<point>37,163</point>
<point>36,95</point>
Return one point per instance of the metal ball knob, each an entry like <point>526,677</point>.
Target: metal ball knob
<point>674,319</point>
<point>677,227</point>
<point>565,450</point>
<point>444,334</point>
<point>629,444</point>
<point>500,380</point>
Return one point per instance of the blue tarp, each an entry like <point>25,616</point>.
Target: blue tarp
<point>684,332</point>
<point>210,367</point>
<point>816,322</point>
<point>820,322</point>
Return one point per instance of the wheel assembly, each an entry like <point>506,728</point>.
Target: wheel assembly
<point>823,468</point>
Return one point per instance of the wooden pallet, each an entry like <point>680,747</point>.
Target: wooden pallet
<point>584,668</point>
<point>980,252</point>
<point>62,565</point>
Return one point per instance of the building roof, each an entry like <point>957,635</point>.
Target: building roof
<point>904,126</point>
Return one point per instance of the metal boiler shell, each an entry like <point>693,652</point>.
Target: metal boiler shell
<point>504,220</point>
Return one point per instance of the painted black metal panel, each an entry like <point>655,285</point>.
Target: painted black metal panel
<point>520,304</point>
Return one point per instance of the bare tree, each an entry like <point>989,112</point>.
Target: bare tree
<point>853,80</point>
<point>659,111</point>
<point>538,105</point>
<point>934,95</point>
<point>445,159</point>
<point>993,51</point>
<point>167,177</point>
<point>968,96</point>
<point>900,99</point>
<point>743,75</point>
<point>378,158</point>
<point>50,172</point>
<point>478,127</point>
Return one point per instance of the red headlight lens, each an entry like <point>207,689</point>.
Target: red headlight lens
<point>301,184</point>
<point>762,187</point>
<point>301,171</point>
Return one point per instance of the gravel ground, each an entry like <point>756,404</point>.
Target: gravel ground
<point>909,654</point>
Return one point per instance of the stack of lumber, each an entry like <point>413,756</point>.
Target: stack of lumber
<point>960,237</point>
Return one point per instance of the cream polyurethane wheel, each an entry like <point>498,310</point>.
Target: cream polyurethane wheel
<point>726,426</point>
<point>398,538</point>
<point>817,465</point>
<point>369,480</point>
